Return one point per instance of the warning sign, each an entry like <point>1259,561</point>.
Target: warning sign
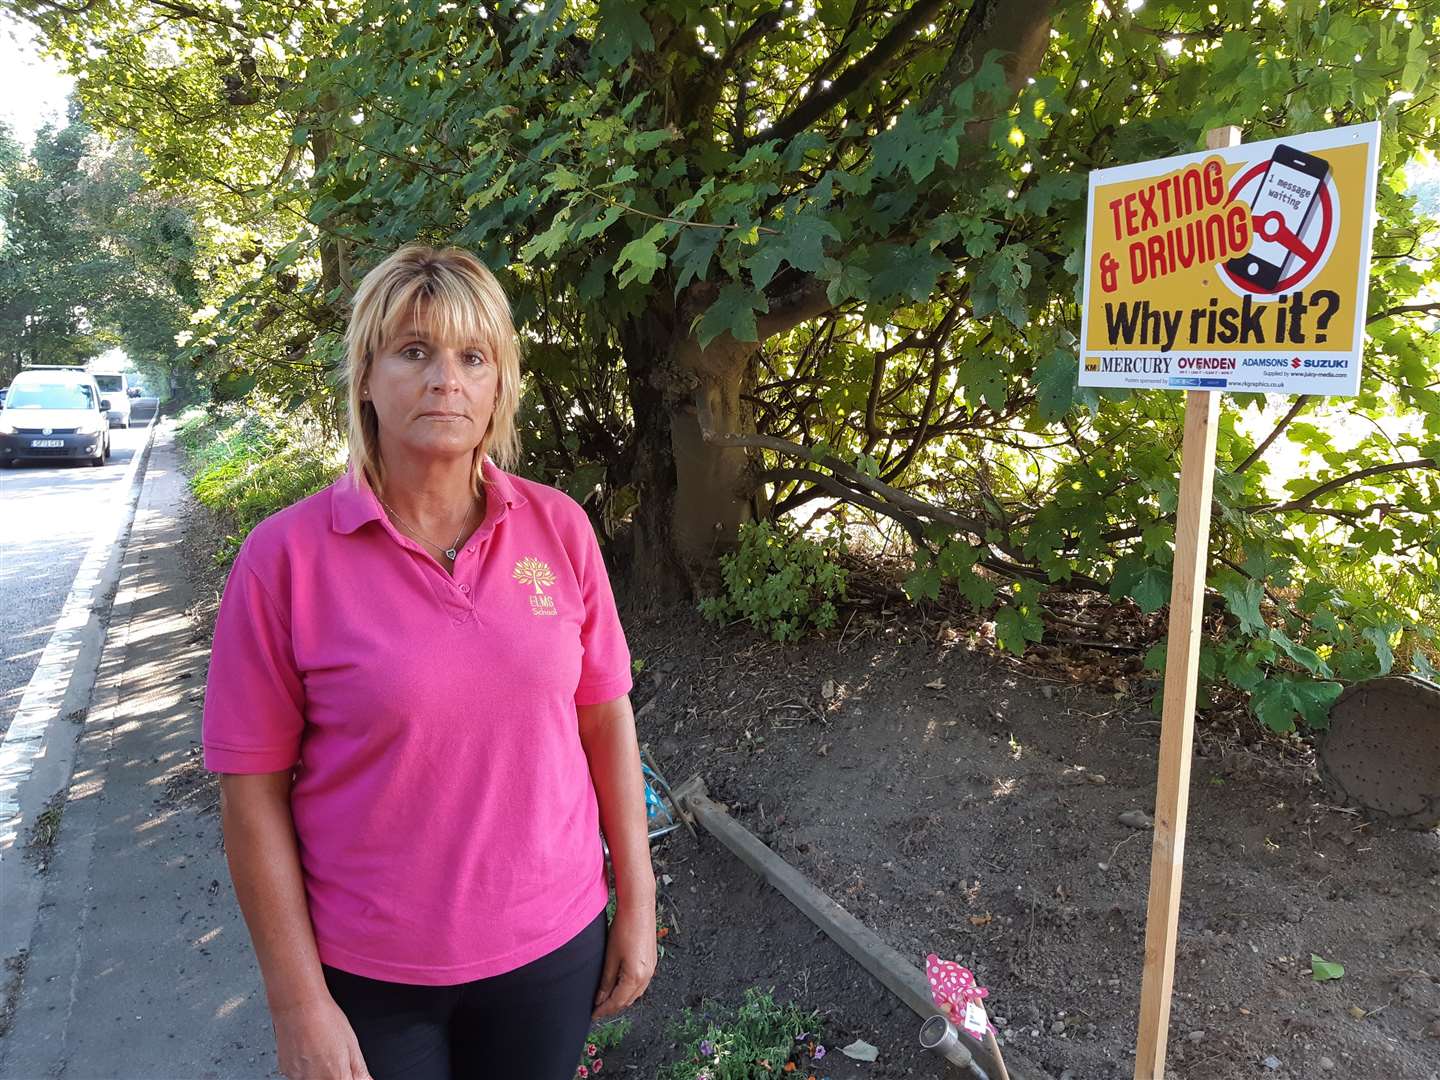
<point>1241,269</point>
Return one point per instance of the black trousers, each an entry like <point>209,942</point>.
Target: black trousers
<point>527,1024</point>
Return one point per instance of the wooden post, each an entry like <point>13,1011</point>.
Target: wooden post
<point>1182,660</point>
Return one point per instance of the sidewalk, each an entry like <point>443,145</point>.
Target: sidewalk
<point>140,965</point>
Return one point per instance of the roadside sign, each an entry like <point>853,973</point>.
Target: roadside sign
<point>1240,268</point>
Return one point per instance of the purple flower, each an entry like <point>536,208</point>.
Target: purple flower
<point>819,1053</point>
<point>706,1048</point>
<point>802,1036</point>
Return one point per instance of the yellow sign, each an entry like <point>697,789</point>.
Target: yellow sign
<point>1241,269</point>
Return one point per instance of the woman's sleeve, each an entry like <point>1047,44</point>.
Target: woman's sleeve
<point>254,699</point>
<point>605,663</point>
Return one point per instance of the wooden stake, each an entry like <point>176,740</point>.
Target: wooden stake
<point>1182,660</point>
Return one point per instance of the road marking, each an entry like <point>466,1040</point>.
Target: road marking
<point>24,742</point>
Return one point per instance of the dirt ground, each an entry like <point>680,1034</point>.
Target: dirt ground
<point>962,802</point>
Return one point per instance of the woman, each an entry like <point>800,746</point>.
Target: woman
<point>418,704</point>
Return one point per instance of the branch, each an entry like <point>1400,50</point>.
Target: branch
<point>1255,455</point>
<point>1018,28</point>
<point>909,522</point>
<point>855,76</point>
<point>1304,501</point>
<point>764,23</point>
<point>904,500</point>
<point>801,304</point>
<point>1405,309</point>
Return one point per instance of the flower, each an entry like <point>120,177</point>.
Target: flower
<point>582,1072</point>
<point>802,1036</point>
<point>596,1065</point>
<point>819,1053</point>
<point>706,1048</point>
<point>591,1049</point>
<point>789,1066</point>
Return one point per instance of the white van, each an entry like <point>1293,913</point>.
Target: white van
<point>53,413</point>
<point>115,385</point>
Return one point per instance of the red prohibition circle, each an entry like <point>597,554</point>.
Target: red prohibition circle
<point>1327,221</point>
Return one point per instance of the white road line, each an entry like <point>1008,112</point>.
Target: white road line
<point>24,743</point>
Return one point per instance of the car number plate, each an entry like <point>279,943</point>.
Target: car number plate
<point>37,444</point>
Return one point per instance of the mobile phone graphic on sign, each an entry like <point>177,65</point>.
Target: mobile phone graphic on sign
<point>1280,212</point>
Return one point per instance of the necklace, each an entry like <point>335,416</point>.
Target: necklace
<point>450,551</point>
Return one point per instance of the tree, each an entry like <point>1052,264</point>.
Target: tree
<point>90,259</point>
<point>767,256</point>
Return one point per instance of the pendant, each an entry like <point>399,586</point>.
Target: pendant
<point>450,554</point>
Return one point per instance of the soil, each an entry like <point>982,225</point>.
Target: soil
<point>959,801</point>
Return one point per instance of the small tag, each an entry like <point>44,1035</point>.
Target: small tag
<point>975,1021</point>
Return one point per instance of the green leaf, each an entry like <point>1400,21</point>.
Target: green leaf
<point>1243,598</point>
<point>1017,626</point>
<point>846,279</point>
<point>1282,699</point>
<point>800,243</point>
<point>1152,589</point>
<point>908,271</point>
<point>1379,637</point>
<point>693,252</point>
<point>1305,657</point>
<point>983,376</point>
<point>1057,379</point>
<point>1325,970</point>
<point>640,258</point>
<point>923,583</point>
<point>912,143</point>
<point>733,310</point>
<point>622,30</point>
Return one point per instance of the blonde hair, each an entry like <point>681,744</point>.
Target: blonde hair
<point>452,293</point>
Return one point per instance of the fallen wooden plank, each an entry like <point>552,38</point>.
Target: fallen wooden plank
<point>904,979</point>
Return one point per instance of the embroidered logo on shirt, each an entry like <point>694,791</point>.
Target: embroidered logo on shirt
<point>531,571</point>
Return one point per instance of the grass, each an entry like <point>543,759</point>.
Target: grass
<point>760,1038</point>
<point>247,463</point>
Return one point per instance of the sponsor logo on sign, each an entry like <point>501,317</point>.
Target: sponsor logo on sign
<point>1136,365</point>
<point>1206,363</point>
<point>1210,384</point>
<point>1092,363</point>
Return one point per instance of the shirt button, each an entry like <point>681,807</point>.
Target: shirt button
<point>464,588</point>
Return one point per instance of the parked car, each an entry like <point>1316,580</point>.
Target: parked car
<point>115,385</point>
<point>53,413</point>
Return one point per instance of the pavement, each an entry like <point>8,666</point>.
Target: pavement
<point>139,964</point>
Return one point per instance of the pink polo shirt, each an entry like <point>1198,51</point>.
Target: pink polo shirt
<point>447,823</point>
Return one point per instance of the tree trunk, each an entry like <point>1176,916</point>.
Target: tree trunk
<point>655,573</point>
<point>715,489</point>
<point>694,495</point>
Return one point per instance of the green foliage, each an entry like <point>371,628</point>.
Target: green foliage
<point>752,1041</point>
<point>783,583</point>
<point>89,260</point>
<point>670,192</point>
<point>602,1038</point>
<point>246,464</point>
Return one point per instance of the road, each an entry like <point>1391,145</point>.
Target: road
<point>47,522</point>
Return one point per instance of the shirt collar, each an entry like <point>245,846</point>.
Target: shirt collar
<point>353,502</point>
